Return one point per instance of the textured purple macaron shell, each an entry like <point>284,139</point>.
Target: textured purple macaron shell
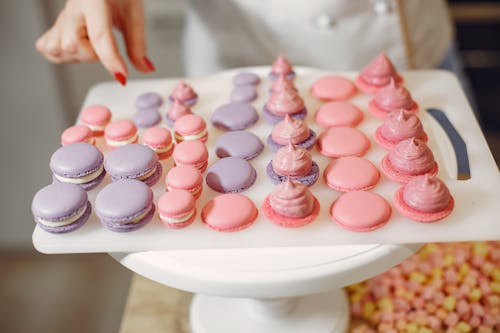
<point>234,116</point>
<point>243,94</point>
<point>77,160</point>
<point>149,100</point>
<point>231,175</point>
<point>121,202</point>
<point>273,119</point>
<point>307,180</point>
<point>147,118</point>
<point>246,78</point>
<point>240,144</point>
<point>133,161</point>
<point>60,201</point>
<point>306,144</point>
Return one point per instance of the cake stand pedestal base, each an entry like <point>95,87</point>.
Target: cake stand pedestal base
<point>320,313</point>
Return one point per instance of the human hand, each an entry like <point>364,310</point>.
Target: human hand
<point>83,33</point>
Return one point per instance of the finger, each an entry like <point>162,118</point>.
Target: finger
<point>133,32</point>
<point>49,43</point>
<point>99,29</point>
<point>74,42</point>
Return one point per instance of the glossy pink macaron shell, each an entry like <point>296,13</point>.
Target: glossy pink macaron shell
<point>77,133</point>
<point>121,130</point>
<point>343,141</point>
<point>177,204</point>
<point>229,212</point>
<point>190,127</point>
<point>285,221</point>
<point>192,152</point>
<point>185,177</point>
<point>419,216</point>
<point>360,211</point>
<point>96,117</point>
<point>339,114</point>
<point>333,88</point>
<point>351,173</point>
<point>160,140</point>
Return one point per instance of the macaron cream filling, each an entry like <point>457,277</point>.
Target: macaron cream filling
<point>161,150</point>
<point>138,218</point>
<point>122,143</point>
<point>83,179</point>
<point>192,136</point>
<point>70,219</point>
<point>147,174</point>
<point>180,219</point>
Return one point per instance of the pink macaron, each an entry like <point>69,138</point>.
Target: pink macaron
<point>343,141</point>
<point>185,177</point>
<point>160,140</point>
<point>192,152</point>
<point>77,133</point>
<point>96,117</point>
<point>190,127</point>
<point>177,208</point>
<point>360,211</point>
<point>120,133</point>
<point>229,212</point>
<point>338,114</point>
<point>333,88</point>
<point>351,173</point>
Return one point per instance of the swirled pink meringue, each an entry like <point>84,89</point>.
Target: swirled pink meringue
<point>292,199</point>
<point>281,65</point>
<point>394,98</point>
<point>282,83</point>
<point>379,71</point>
<point>412,156</point>
<point>285,101</point>
<point>290,130</point>
<point>178,110</point>
<point>292,161</point>
<point>400,125</point>
<point>426,194</point>
<point>183,91</point>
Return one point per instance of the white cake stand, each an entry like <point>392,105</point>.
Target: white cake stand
<point>267,290</point>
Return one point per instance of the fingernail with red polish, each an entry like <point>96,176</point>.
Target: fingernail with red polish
<point>120,77</point>
<point>150,64</point>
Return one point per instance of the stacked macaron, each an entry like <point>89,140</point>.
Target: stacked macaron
<point>95,117</point>
<point>159,140</point>
<point>120,133</point>
<point>77,133</point>
<point>245,87</point>
<point>147,113</point>
<point>190,127</point>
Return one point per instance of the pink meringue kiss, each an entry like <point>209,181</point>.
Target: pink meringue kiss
<point>424,199</point>
<point>392,98</point>
<point>285,102</point>
<point>409,158</point>
<point>176,110</point>
<point>377,74</point>
<point>398,126</point>
<point>281,66</point>
<point>290,205</point>
<point>293,162</point>
<point>184,94</point>
<point>291,130</point>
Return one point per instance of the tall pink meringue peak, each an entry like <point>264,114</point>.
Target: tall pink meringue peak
<point>281,65</point>
<point>292,161</point>
<point>286,101</point>
<point>377,74</point>
<point>183,92</point>
<point>392,98</point>
<point>426,194</point>
<point>290,130</point>
<point>177,110</point>
<point>292,199</point>
<point>282,83</point>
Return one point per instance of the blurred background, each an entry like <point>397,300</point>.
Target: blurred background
<point>38,100</point>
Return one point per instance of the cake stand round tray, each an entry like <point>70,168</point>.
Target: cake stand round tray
<point>267,290</point>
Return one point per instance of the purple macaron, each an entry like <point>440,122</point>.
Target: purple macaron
<point>240,144</point>
<point>146,118</point>
<point>231,175</point>
<point>78,163</point>
<point>149,100</point>
<point>307,180</point>
<point>125,206</point>
<point>133,161</point>
<point>234,116</point>
<point>61,207</point>
<point>245,79</point>
<point>243,94</point>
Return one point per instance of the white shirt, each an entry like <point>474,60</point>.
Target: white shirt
<point>330,34</point>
